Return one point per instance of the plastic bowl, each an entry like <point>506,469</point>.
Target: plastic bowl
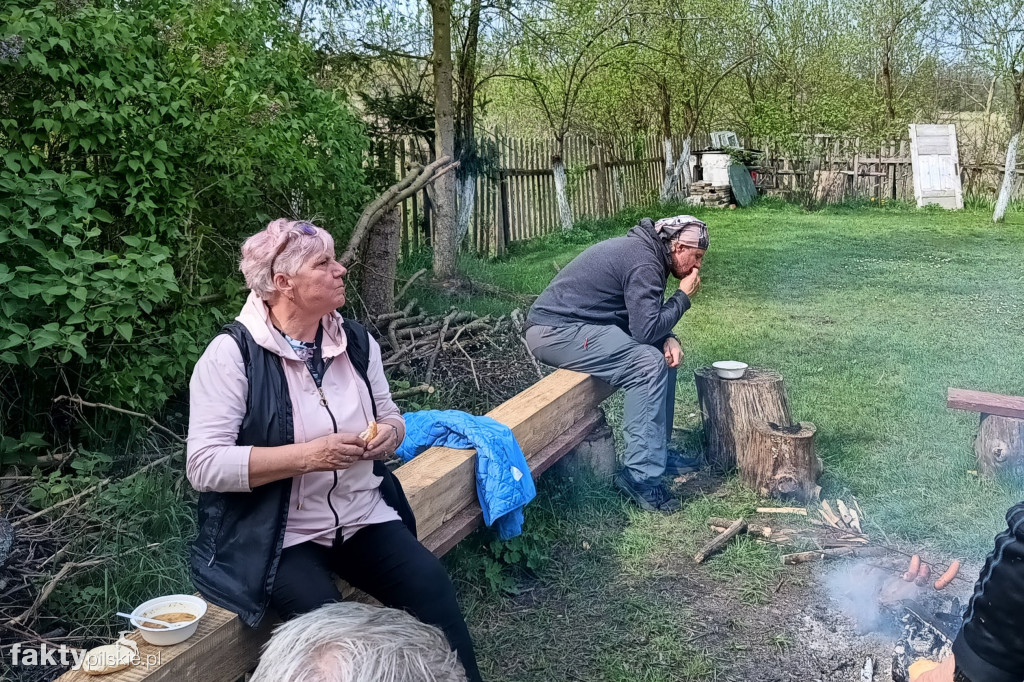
<point>730,369</point>
<point>173,603</point>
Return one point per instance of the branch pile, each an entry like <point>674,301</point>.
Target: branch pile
<point>838,534</point>
<point>478,361</point>
<point>44,552</point>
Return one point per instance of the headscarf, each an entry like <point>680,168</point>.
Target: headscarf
<point>685,229</point>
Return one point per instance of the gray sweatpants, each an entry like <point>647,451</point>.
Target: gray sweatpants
<point>639,369</point>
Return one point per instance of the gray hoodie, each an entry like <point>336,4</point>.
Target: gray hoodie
<point>620,281</point>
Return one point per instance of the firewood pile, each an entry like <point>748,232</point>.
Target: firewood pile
<point>707,194</point>
<point>839,533</point>
<point>843,526</point>
<point>477,361</point>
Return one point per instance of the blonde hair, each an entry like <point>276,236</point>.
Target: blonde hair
<point>282,247</point>
<point>352,642</point>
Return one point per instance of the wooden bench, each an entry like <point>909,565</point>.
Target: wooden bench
<point>999,444</point>
<point>548,419</point>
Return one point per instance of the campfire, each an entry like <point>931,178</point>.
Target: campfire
<point>922,618</point>
<point>928,634</point>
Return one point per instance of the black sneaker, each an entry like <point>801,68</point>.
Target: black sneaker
<point>653,497</point>
<point>676,464</point>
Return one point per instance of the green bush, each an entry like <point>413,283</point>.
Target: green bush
<point>141,142</point>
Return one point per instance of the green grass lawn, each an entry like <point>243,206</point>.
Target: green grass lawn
<point>869,313</point>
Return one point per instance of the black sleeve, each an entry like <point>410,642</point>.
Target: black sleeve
<point>990,646</point>
<point>651,318</point>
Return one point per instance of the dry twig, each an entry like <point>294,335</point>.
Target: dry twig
<point>78,401</point>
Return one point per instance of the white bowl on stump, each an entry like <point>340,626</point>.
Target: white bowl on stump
<point>729,369</point>
<point>170,606</point>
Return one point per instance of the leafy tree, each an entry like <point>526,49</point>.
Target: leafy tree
<point>560,51</point>
<point>992,32</point>
<point>141,143</point>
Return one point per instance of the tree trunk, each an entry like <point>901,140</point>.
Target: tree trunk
<point>1000,446</point>
<point>561,193</point>
<point>444,192</point>
<point>683,176</point>
<point>380,263</point>
<point>466,128</point>
<point>620,193</point>
<point>781,461</point>
<point>668,186</point>
<point>1009,174</point>
<point>731,407</point>
<point>602,185</point>
<point>467,200</point>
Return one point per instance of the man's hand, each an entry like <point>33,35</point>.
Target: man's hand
<point>673,352</point>
<point>689,284</point>
<point>384,444</point>
<point>333,452</point>
<point>943,673</point>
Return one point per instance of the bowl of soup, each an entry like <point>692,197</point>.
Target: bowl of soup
<point>181,612</point>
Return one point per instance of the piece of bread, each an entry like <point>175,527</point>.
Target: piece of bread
<point>370,433</point>
<point>105,659</point>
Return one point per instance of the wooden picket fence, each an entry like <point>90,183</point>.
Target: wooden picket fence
<point>832,169</point>
<point>517,201</point>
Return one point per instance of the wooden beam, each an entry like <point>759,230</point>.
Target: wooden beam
<point>441,482</point>
<point>441,487</point>
<point>986,403</point>
<point>221,649</point>
<point>471,517</point>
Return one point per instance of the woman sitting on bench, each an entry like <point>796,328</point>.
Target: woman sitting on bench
<point>284,402</point>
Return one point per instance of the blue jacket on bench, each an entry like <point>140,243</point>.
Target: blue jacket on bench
<point>503,481</point>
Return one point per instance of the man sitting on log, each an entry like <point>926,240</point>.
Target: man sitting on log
<point>605,314</point>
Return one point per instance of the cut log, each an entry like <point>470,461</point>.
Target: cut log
<point>780,461</point>
<point>720,525</point>
<point>738,526</point>
<point>1000,446</point>
<point>595,456</point>
<point>731,407</point>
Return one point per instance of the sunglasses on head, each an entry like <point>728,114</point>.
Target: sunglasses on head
<point>308,229</point>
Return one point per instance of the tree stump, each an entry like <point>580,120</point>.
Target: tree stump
<point>1000,446</point>
<point>594,456</point>
<point>731,407</point>
<point>780,461</point>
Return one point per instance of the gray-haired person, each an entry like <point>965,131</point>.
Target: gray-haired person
<point>605,314</point>
<point>351,642</point>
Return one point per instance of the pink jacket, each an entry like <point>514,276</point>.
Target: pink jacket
<point>217,397</point>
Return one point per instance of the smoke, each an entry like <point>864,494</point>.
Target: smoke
<point>861,591</point>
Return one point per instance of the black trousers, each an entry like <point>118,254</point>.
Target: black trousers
<point>389,564</point>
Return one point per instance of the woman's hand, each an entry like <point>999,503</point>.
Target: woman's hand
<point>384,444</point>
<point>334,451</point>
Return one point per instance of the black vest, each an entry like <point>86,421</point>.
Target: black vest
<point>236,553</point>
